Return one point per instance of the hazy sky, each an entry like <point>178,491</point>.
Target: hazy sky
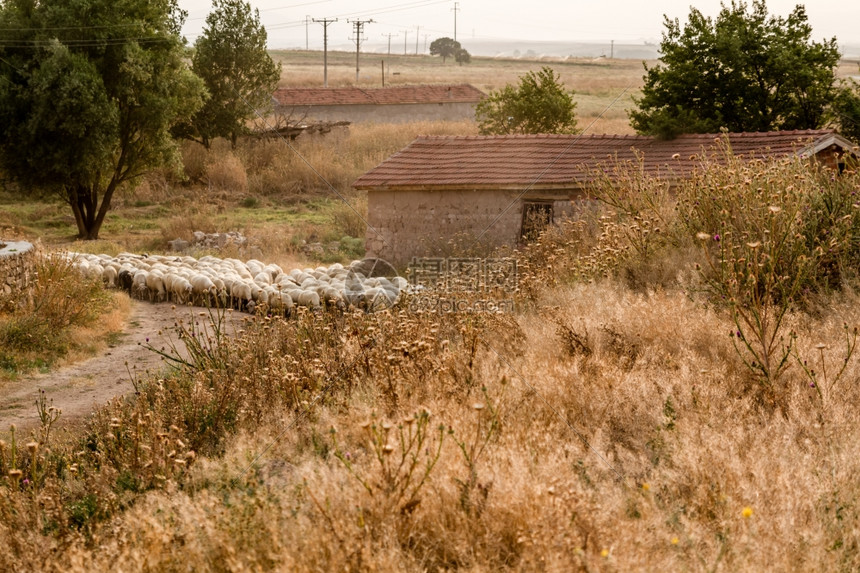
<point>625,21</point>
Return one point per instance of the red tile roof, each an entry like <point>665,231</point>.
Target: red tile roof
<point>460,93</point>
<point>564,160</point>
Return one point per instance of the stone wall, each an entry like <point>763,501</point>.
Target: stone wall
<point>405,224</point>
<point>17,268</point>
<point>389,113</point>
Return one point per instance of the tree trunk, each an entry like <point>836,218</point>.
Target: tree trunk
<point>72,200</point>
<point>84,203</point>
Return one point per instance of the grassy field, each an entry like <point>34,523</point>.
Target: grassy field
<point>676,389</point>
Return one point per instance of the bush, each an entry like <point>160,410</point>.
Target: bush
<point>61,300</point>
<point>539,104</point>
<point>350,219</point>
<point>774,237</point>
<point>775,234</point>
<point>226,173</point>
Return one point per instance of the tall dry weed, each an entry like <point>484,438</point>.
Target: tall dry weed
<point>227,173</point>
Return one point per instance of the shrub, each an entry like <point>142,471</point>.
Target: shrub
<point>226,173</point>
<point>350,219</point>
<point>61,299</point>
<point>774,235</point>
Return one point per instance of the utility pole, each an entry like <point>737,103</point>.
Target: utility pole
<point>325,22</point>
<point>455,9</point>
<point>390,35</point>
<point>612,50</point>
<point>307,21</point>
<point>405,35</point>
<point>425,43</point>
<point>358,24</point>
<point>417,37</point>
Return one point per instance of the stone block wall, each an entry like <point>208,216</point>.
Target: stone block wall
<point>17,268</point>
<point>389,113</point>
<point>406,224</point>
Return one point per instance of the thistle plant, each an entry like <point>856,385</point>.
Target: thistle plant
<point>10,467</point>
<point>821,381</point>
<point>473,445</point>
<point>641,206</point>
<point>404,456</point>
<point>48,415</point>
<point>773,234</point>
<point>202,338</point>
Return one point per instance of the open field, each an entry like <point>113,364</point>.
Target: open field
<point>673,390</point>
<point>597,82</point>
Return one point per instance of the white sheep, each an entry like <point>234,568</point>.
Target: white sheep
<point>155,284</point>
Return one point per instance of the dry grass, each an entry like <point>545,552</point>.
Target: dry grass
<point>682,470</point>
<point>92,339</point>
<point>226,173</point>
<point>607,424</point>
<point>63,317</point>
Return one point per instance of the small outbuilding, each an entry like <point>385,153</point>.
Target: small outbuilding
<point>397,104</point>
<point>495,188</point>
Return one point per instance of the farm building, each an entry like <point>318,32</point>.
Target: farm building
<point>496,188</point>
<point>380,105</point>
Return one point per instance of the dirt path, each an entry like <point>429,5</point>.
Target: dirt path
<point>78,388</point>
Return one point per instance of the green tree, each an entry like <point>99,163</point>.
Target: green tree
<point>231,58</point>
<point>462,56</point>
<point>89,94</point>
<point>846,110</point>
<point>744,71</point>
<point>540,104</point>
<point>445,47</point>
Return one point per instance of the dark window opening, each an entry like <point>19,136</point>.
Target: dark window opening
<point>536,218</point>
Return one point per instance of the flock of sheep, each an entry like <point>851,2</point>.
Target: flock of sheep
<point>211,281</point>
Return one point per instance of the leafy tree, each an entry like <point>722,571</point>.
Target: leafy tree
<point>463,56</point>
<point>240,75</point>
<point>445,47</point>
<point>540,104</point>
<point>90,91</point>
<point>744,71</point>
<point>846,109</point>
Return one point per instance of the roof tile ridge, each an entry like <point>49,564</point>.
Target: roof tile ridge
<point>628,136</point>
<point>449,136</point>
<point>811,131</point>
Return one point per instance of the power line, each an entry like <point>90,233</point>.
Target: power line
<point>455,9</point>
<point>365,13</point>
<point>325,22</point>
<point>390,35</point>
<point>358,24</point>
